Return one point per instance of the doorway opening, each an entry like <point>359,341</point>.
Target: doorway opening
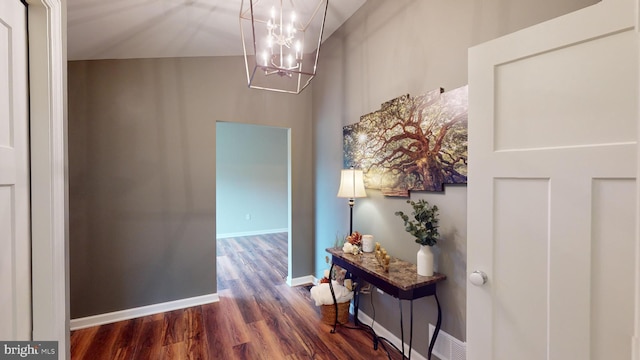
<point>253,199</point>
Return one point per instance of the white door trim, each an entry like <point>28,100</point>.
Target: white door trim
<point>636,338</point>
<point>15,237</point>
<point>47,71</point>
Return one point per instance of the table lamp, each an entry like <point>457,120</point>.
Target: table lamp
<point>351,187</point>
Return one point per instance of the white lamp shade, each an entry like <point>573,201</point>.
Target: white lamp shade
<point>351,184</point>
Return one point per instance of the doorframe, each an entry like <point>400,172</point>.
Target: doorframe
<point>289,280</point>
<point>49,215</point>
<point>635,347</point>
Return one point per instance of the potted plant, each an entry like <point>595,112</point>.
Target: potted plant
<point>424,228</point>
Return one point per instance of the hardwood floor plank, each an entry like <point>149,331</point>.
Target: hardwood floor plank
<point>266,341</point>
<point>174,351</point>
<point>234,328</point>
<point>246,304</point>
<point>273,315</point>
<point>104,340</point>
<point>154,317</point>
<point>193,322</point>
<point>232,244</point>
<point>129,333</point>
<point>175,327</point>
<point>123,353</point>
<point>221,334</point>
<point>197,348</point>
<point>246,351</point>
<point>150,340</point>
<point>226,269</point>
<point>80,341</point>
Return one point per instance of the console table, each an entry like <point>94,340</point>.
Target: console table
<point>402,281</point>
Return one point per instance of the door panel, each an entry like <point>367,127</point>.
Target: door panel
<point>537,93</point>
<point>5,74</point>
<point>15,275</point>
<point>551,195</point>
<point>521,213</point>
<point>611,258</point>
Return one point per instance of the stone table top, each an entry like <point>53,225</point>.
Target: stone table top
<point>402,274</point>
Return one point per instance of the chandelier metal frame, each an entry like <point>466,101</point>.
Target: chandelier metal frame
<point>284,55</point>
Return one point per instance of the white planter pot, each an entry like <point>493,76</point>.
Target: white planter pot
<point>425,261</point>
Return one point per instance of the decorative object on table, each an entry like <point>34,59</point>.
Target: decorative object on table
<point>411,143</point>
<point>424,261</point>
<point>355,239</point>
<point>281,42</point>
<point>382,257</point>
<point>339,240</point>
<point>425,231</point>
<point>353,244</point>
<point>349,248</point>
<point>367,243</point>
<point>351,187</point>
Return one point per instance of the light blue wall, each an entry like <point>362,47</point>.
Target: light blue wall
<point>251,179</point>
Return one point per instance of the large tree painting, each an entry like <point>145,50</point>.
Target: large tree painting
<point>411,143</point>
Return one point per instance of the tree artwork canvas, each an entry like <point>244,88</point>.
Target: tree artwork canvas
<point>411,143</point>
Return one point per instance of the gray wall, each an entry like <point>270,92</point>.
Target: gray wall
<point>387,49</point>
<point>251,178</point>
<point>142,149</point>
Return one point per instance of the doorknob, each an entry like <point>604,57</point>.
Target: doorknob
<point>478,278</point>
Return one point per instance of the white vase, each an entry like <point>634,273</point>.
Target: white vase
<point>425,261</point>
<point>367,243</point>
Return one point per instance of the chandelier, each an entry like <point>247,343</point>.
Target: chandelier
<point>281,42</point>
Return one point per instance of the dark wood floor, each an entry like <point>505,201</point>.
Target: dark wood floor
<point>258,317</point>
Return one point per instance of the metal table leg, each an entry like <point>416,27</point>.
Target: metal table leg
<point>410,330</point>
<point>437,329</point>
<point>333,295</point>
<point>401,329</point>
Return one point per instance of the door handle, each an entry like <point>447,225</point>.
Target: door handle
<point>478,278</point>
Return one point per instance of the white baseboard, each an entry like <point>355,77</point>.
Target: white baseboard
<point>127,314</point>
<point>251,233</point>
<point>301,280</point>
<point>383,332</point>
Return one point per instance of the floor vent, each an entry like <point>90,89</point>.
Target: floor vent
<point>447,347</point>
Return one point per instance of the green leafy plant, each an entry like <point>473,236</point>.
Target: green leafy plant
<point>424,225</point>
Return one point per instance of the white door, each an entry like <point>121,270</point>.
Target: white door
<point>15,278</point>
<point>552,190</point>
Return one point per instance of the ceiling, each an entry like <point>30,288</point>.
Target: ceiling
<point>125,29</point>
